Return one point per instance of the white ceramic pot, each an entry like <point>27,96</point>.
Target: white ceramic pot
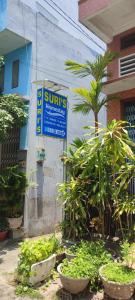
<point>15,223</point>
<point>72,285</point>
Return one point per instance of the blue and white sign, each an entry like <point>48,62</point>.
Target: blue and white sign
<point>54,114</point>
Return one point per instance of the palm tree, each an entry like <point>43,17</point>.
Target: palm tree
<point>92,99</point>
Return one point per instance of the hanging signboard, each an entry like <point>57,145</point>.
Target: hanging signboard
<point>51,114</point>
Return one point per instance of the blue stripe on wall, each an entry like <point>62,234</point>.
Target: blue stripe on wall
<point>24,56</point>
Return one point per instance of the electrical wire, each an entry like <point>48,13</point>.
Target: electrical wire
<point>74,24</point>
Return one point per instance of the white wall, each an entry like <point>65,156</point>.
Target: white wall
<point>51,46</point>
<point>70,7</point>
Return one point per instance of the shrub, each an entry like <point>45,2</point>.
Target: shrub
<point>35,251</point>
<point>92,250</point>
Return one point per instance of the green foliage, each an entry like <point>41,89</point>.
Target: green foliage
<point>25,291</point>
<point>35,251</point>
<point>6,122</point>
<point>12,113</point>
<point>92,99</point>
<point>94,251</point>
<point>1,61</point>
<point>78,268</point>
<point>128,253</point>
<point>13,184</point>
<point>118,273</point>
<point>3,224</point>
<point>97,68</point>
<point>96,172</point>
<point>90,256</point>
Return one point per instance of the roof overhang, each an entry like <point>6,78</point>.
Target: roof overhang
<point>107,18</point>
<point>10,41</point>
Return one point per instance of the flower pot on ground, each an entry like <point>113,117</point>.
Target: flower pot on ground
<point>3,229</point>
<point>13,184</point>
<point>76,274</point>
<point>118,280</point>
<point>36,260</point>
<point>72,285</point>
<point>15,223</point>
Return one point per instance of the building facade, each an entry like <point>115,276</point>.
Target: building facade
<point>114,22</point>
<point>36,37</point>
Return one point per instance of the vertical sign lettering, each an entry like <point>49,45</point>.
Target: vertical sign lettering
<point>39,112</point>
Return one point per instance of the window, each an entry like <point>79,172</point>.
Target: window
<point>2,72</point>
<point>128,41</point>
<point>15,74</point>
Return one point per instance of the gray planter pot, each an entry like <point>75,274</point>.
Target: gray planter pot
<point>70,256</point>
<point>116,290</point>
<point>74,286</point>
<point>39,271</point>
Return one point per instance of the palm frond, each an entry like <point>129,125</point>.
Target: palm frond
<point>97,68</point>
<point>83,93</point>
<point>83,107</point>
<point>82,70</point>
<point>77,142</point>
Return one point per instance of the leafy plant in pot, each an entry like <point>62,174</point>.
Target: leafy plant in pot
<point>13,184</point>
<point>119,277</point>
<point>75,274</point>
<point>3,228</point>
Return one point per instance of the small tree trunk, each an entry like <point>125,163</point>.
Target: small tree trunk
<point>96,123</point>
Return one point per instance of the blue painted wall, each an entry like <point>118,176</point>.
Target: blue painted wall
<point>24,56</point>
<point>3,14</point>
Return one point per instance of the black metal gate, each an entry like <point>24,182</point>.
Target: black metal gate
<point>130,117</point>
<point>9,149</point>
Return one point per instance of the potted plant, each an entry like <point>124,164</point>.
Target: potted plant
<point>119,277</point>
<point>13,184</point>
<point>3,229</point>
<point>76,274</point>
<point>37,258</point>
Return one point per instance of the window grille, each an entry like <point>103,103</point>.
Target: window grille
<point>127,65</point>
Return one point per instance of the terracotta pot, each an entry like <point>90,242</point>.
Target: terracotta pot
<point>73,285</point>
<point>15,223</point>
<point>117,290</point>
<point>3,235</point>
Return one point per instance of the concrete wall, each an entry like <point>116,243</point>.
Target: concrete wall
<point>66,14</point>
<point>51,46</point>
